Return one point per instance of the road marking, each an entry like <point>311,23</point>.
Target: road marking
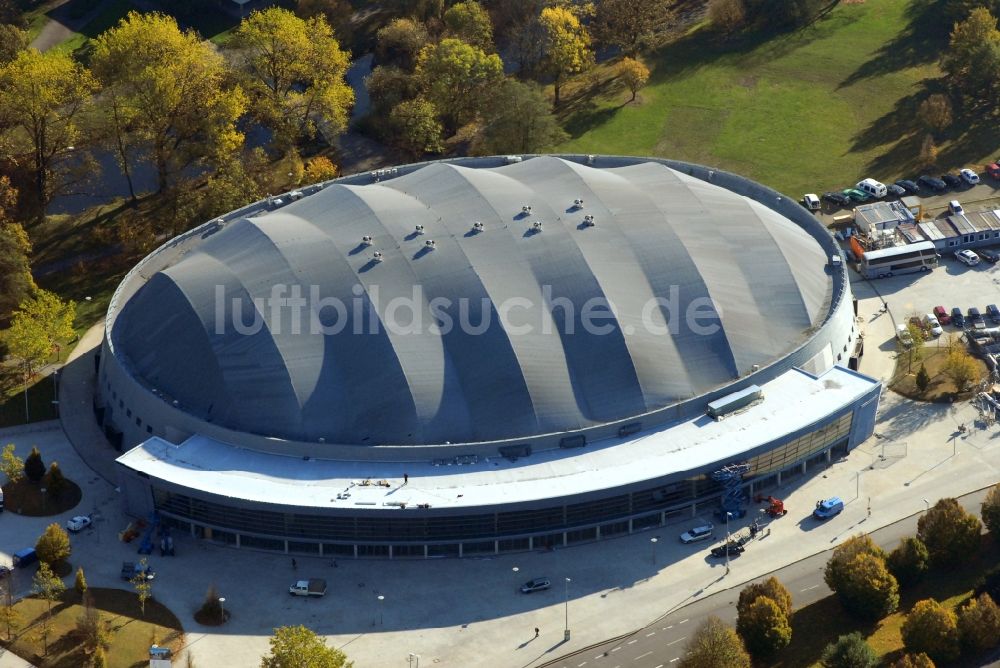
<point>668,627</point>
<point>809,588</point>
<point>674,642</point>
<point>600,656</point>
<point>642,656</point>
<point>674,659</point>
<point>616,648</point>
<point>580,665</point>
<point>631,642</point>
<point>651,633</point>
<point>684,621</point>
<point>660,666</point>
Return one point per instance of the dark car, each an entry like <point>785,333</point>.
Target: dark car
<point>895,190</point>
<point>909,186</point>
<point>989,255</point>
<point>957,318</point>
<point>994,313</point>
<point>840,199</point>
<point>932,183</point>
<point>537,584</point>
<point>952,180</point>
<point>734,549</point>
<point>975,319</point>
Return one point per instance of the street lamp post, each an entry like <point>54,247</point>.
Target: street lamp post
<point>222,609</point>
<point>380,599</point>
<point>43,490</point>
<point>927,505</point>
<point>566,632</point>
<point>653,541</point>
<point>413,660</point>
<point>726,547</point>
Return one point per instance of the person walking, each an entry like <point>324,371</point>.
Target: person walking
<point>295,566</point>
<point>536,631</point>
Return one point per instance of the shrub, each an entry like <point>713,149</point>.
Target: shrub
<point>764,627</point>
<point>979,623</point>
<point>932,629</point>
<point>908,562</point>
<point>54,481</point>
<point>80,583</point>
<point>34,467</point>
<point>920,660</point>
<point>714,644</point>
<point>849,651</point>
<point>989,584</point>
<point>53,545</point>
<point>950,533</point>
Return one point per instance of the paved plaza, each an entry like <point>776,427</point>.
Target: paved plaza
<point>468,612</point>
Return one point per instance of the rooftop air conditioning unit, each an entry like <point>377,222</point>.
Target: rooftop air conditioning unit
<point>537,226</point>
<point>578,203</point>
<point>429,244</point>
<point>377,256</point>
<point>588,221</point>
<point>526,209</point>
<point>366,240</point>
<point>510,159</point>
<point>477,226</point>
<point>419,229</point>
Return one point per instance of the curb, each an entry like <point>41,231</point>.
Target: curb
<point>43,425</point>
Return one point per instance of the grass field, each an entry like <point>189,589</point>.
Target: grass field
<point>816,625</point>
<point>807,111</point>
<point>106,18</point>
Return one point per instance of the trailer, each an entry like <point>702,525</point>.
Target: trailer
<point>731,403</point>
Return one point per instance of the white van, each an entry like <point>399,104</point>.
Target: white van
<point>872,187</point>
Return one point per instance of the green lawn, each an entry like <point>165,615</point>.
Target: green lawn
<point>114,11</point>
<point>807,111</point>
<point>41,394</point>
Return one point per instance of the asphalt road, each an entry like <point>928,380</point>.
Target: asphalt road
<point>662,643</point>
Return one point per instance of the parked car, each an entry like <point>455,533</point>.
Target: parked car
<point>932,325</point>
<point>130,570</point>
<point>828,508</point>
<point>942,315</point>
<point>932,183</point>
<point>78,523</point>
<point>811,202</point>
<point>957,319</point>
<point>695,534</point>
<point>989,255</point>
<point>955,207</point>
<point>909,186</point>
<point>952,180</point>
<point>895,190</point>
<point>537,584</point>
<point>969,176</point>
<point>967,257</point>
<point>993,169</point>
<point>976,319</point>
<point>837,198</point>
<point>872,188</point>
<point>994,313</point>
<point>733,549</point>
<point>857,195</point>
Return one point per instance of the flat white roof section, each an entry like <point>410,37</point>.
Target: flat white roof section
<point>793,401</point>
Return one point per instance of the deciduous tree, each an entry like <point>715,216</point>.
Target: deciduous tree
<point>300,647</point>
<point>928,151</point>
<point>962,369</point>
<point>714,644</point>
<point>469,22</point>
<point>295,71</point>
<point>16,282</point>
<point>399,43</point>
<point>908,562</point>
<point>518,120</point>
<point>415,127</point>
<point>991,512</point>
<point>837,570</point>
<point>318,169</point>
<point>857,573</point>
<point>634,74</point>
<point>10,618</point>
<point>728,16</point>
<point>972,60</point>
<point>849,651</point>
<point>764,627</point>
<point>935,113</point>
<point>80,582</point>
<point>54,481</point>
<point>142,584</point>
<point>932,629</point>
<point>771,588</point>
<point>567,46</point>
<point>44,96</point>
<point>908,660</point>
<point>13,40</point>
<point>456,78</point>
<point>989,584</point>
<point>166,92</point>
<point>630,25</point>
<point>53,546</point>
<point>49,587</point>
<point>979,623</point>
<point>92,628</point>
<point>11,465</point>
<point>950,533</point>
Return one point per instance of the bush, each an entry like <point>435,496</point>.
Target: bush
<point>728,16</point>
<point>979,623</point>
<point>908,562</point>
<point>319,169</point>
<point>950,533</point>
<point>714,644</point>
<point>849,651</point>
<point>210,608</point>
<point>932,629</point>
<point>34,467</point>
<point>764,628</point>
<point>858,574</point>
<point>771,588</point>
<point>53,545</point>
<point>920,660</point>
<point>80,583</point>
<point>54,482</point>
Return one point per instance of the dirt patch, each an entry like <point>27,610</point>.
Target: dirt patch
<point>25,498</point>
<point>941,389</point>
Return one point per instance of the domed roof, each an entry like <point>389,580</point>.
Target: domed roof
<point>285,323</point>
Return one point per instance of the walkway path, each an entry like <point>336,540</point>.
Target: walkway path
<point>62,25</point>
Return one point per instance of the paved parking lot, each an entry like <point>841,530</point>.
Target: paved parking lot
<point>984,196</point>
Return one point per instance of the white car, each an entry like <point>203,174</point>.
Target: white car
<point>811,202</point>
<point>969,176</point>
<point>932,325</point>
<point>968,257</point>
<point>695,534</point>
<point>955,207</point>
<point>78,523</point>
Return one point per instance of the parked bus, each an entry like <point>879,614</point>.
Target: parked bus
<point>886,262</point>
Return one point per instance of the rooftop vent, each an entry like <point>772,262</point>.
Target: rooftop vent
<point>419,229</point>
<point>366,240</point>
<point>509,159</point>
<point>590,159</point>
<point>430,244</point>
<point>578,203</point>
<point>537,226</point>
<point>588,221</point>
<point>477,226</point>
<point>377,256</point>
<point>526,209</point>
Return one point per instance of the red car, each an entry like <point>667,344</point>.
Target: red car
<point>942,315</point>
<point>993,170</point>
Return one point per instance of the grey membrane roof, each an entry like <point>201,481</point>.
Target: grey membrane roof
<point>793,401</point>
<point>382,374</point>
